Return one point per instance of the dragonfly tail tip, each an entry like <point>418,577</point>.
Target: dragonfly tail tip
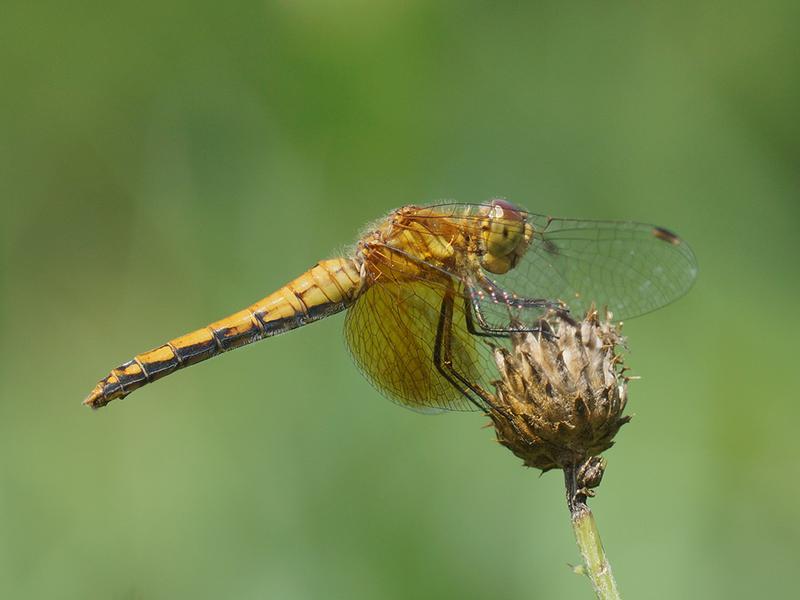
<point>95,398</point>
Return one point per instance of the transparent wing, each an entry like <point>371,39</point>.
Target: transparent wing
<point>631,268</point>
<point>391,331</point>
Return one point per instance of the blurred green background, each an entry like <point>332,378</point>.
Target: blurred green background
<point>165,163</point>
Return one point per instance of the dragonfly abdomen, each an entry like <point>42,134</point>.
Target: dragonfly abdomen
<point>327,288</point>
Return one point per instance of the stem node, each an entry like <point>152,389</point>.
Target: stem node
<point>595,563</point>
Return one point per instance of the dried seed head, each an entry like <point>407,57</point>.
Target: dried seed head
<point>562,392</point>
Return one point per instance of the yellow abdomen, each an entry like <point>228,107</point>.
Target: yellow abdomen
<point>327,288</point>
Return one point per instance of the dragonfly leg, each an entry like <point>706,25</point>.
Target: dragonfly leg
<point>514,324</point>
<point>442,357</point>
<point>541,306</point>
<point>472,313</point>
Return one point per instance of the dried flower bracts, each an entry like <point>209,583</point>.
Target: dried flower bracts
<point>561,392</point>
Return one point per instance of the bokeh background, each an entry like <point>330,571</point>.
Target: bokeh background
<point>165,163</point>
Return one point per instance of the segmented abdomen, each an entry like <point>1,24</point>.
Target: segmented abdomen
<point>327,288</point>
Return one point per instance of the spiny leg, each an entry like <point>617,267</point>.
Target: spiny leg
<point>473,310</point>
<point>483,288</point>
<point>442,356</point>
<point>485,331</point>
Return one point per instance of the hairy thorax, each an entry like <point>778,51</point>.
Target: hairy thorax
<point>414,242</point>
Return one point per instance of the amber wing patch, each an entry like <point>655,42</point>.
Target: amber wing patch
<point>392,334</point>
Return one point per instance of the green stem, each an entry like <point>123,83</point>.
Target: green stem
<point>594,557</point>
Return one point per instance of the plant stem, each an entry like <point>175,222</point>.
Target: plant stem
<point>588,537</point>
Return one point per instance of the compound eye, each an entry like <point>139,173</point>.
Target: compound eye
<point>503,209</point>
<point>503,233</point>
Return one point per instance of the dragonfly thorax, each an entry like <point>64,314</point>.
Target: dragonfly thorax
<point>494,237</point>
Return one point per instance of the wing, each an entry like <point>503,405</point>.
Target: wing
<point>391,331</point>
<point>631,268</point>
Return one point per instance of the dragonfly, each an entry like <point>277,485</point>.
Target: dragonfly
<point>429,290</point>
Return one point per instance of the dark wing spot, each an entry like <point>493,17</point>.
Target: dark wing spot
<point>550,247</point>
<point>666,235</point>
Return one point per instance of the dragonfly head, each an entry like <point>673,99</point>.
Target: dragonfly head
<point>505,234</point>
